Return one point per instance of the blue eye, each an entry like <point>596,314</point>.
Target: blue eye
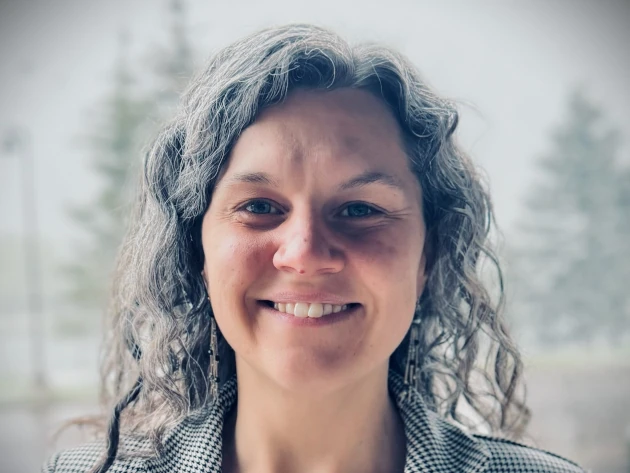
<point>260,207</point>
<point>358,211</point>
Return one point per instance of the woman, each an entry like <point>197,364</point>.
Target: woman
<point>299,290</point>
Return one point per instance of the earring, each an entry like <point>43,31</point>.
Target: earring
<point>412,366</point>
<point>213,353</point>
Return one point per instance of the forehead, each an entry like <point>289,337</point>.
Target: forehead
<point>348,117</point>
<point>344,128</point>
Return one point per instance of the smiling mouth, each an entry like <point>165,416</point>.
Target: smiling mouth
<point>310,310</point>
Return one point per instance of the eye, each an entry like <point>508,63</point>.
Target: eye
<point>359,210</point>
<point>260,207</point>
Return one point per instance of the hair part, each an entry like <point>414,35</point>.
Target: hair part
<point>160,303</point>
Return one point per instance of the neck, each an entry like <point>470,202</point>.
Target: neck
<point>355,428</point>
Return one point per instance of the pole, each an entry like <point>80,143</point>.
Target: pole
<point>19,141</point>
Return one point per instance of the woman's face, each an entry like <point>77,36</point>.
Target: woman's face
<point>317,207</point>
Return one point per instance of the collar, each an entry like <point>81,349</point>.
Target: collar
<point>433,444</point>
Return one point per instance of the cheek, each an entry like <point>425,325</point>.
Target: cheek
<point>232,261</point>
<point>394,253</point>
<point>388,265</point>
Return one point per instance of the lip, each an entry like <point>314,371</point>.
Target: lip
<point>310,297</point>
<point>310,321</point>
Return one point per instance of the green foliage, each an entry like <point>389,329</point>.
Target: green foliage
<point>114,147</point>
<point>571,266</point>
<point>127,118</point>
<point>173,62</point>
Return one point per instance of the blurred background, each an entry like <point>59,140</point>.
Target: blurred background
<point>545,111</point>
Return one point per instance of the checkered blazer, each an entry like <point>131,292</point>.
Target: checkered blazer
<point>433,445</point>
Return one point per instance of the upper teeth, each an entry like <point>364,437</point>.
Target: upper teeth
<point>304,309</point>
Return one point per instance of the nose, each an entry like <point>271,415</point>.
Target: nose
<point>306,247</point>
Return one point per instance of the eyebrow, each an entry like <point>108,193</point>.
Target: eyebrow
<point>253,178</point>
<point>368,177</point>
<point>372,177</point>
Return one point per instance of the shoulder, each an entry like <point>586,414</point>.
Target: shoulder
<point>509,456</point>
<point>82,459</point>
<point>195,439</point>
<point>191,440</point>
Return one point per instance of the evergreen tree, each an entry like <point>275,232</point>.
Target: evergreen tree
<point>113,144</point>
<point>570,267</point>
<point>173,62</point>
<point>128,119</point>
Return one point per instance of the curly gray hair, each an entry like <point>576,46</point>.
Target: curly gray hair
<point>160,315</point>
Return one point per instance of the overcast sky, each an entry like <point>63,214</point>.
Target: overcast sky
<point>510,64</point>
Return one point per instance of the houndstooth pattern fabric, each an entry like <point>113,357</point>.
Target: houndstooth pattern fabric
<point>433,445</point>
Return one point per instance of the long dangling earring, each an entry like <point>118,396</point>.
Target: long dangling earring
<point>213,353</point>
<point>412,366</point>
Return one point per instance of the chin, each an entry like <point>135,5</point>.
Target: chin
<point>310,375</point>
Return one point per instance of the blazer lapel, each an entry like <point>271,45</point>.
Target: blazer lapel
<point>434,445</point>
<point>195,446</point>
